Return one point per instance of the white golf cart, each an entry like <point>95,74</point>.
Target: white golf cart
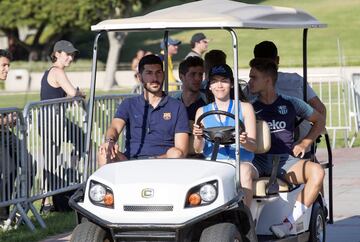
<point>193,199</point>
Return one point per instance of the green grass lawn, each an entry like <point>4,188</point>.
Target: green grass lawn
<point>340,15</point>
<point>19,100</point>
<point>56,223</point>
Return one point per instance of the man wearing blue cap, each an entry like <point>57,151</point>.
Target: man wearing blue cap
<point>173,46</point>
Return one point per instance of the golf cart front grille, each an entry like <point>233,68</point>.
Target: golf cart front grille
<point>145,208</point>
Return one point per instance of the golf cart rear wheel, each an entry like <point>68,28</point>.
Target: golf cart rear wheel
<point>224,232</point>
<point>317,224</point>
<point>89,232</point>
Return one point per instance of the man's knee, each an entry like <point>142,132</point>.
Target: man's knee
<point>317,173</point>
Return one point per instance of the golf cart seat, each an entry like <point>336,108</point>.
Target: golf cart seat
<point>262,186</point>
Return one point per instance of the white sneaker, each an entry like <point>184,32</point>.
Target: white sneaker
<point>281,230</point>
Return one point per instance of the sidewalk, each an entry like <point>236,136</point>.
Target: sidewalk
<point>346,190</point>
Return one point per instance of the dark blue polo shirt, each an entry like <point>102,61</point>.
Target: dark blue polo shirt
<point>149,131</point>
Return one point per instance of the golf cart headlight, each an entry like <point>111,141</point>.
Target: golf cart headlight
<point>208,193</point>
<point>202,194</point>
<point>101,195</point>
<point>97,193</point>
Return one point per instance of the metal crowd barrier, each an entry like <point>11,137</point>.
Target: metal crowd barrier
<point>53,144</point>
<point>104,111</point>
<point>42,153</point>
<point>355,87</point>
<point>55,136</point>
<point>12,165</point>
<point>336,93</point>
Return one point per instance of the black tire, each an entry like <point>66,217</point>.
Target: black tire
<point>61,201</point>
<point>224,232</point>
<point>89,232</point>
<point>317,224</point>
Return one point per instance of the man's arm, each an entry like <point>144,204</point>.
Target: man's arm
<point>113,132</point>
<point>316,103</point>
<point>248,139</point>
<point>198,133</point>
<point>180,149</point>
<point>318,121</point>
<point>109,150</point>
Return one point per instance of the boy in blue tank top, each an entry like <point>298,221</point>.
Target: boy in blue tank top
<point>220,90</point>
<point>280,113</point>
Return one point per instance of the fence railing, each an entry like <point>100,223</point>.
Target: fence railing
<point>337,94</point>
<point>13,166</point>
<point>54,138</point>
<point>42,150</point>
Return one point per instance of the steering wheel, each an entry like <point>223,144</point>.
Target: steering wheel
<point>223,135</point>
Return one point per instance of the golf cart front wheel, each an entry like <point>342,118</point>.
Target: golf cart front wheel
<point>317,224</point>
<point>224,232</point>
<point>89,232</point>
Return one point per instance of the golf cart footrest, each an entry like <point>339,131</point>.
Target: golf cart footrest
<point>148,235</point>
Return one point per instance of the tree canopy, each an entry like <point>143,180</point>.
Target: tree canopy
<point>48,21</point>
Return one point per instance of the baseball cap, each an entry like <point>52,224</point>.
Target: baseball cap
<point>198,37</point>
<point>170,42</point>
<point>221,70</point>
<point>66,46</point>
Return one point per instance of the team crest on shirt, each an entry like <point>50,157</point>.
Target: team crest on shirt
<point>282,109</point>
<point>167,116</point>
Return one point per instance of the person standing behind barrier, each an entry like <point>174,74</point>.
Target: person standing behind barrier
<point>7,149</point>
<point>291,84</point>
<point>156,124</point>
<point>199,45</point>
<point>173,46</point>
<point>56,84</point>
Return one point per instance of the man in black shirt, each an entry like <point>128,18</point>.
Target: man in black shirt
<point>191,72</point>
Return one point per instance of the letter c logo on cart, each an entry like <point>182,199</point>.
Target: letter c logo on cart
<point>147,193</point>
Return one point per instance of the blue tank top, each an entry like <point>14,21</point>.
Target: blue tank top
<point>226,152</point>
<point>49,92</point>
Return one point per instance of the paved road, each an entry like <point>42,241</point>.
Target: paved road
<point>346,185</point>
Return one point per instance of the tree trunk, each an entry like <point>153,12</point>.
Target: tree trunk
<point>116,41</point>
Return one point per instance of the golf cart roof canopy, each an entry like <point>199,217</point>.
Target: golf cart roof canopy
<point>214,14</point>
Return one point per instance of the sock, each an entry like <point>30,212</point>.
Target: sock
<point>298,211</point>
